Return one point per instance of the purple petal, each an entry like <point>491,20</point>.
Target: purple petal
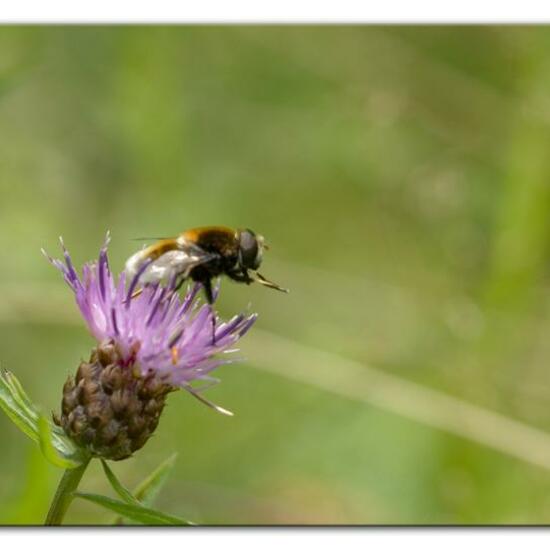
<point>173,335</point>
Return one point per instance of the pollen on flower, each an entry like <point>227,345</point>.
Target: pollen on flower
<point>150,341</point>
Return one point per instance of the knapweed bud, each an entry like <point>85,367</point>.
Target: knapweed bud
<point>109,409</point>
<point>150,343</point>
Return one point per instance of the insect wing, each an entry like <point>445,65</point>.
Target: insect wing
<point>173,264</point>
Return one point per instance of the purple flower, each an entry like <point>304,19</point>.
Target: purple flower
<point>155,330</point>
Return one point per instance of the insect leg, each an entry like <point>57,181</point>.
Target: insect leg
<point>180,284</point>
<point>135,294</point>
<point>207,285</point>
<point>177,286</point>
<point>240,276</point>
<point>263,281</point>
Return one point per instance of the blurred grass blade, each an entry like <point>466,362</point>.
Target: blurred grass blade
<point>30,505</point>
<point>49,449</point>
<point>149,488</point>
<point>140,514</point>
<point>122,492</point>
<point>358,381</point>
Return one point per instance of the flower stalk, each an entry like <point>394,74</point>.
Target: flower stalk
<point>65,493</point>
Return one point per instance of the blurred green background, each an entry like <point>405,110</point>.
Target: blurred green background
<point>402,178</point>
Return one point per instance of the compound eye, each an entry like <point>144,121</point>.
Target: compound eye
<point>249,249</point>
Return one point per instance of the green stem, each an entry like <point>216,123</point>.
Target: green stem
<point>64,494</point>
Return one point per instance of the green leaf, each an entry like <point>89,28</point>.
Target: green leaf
<point>150,487</point>
<point>14,404</point>
<point>56,446</point>
<point>20,394</point>
<point>140,514</point>
<point>118,487</point>
<point>146,492</point>
<point>48,448</point>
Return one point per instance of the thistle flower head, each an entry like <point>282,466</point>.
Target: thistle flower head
<point>155,330</point>
<point>149,343</point>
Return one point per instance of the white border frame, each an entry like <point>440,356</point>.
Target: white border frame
<point>272,11</point>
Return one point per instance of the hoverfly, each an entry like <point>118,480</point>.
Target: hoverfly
<point>201,254</point>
